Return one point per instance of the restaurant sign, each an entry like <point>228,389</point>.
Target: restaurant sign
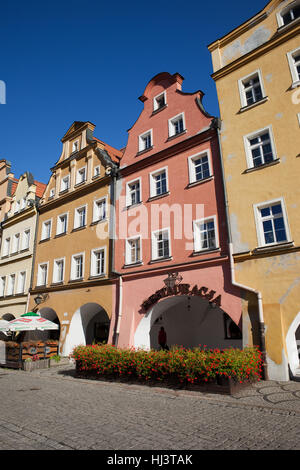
<point>182,289</point>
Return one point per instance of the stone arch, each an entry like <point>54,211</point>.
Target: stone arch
<point>90,323</point>
<point>291,344</point>
<point>188,321</point>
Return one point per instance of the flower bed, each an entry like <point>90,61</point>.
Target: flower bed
<point>192,368</point>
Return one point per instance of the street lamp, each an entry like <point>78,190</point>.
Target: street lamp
<point>39,299</point>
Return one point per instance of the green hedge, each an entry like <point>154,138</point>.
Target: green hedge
<point>184,365</point>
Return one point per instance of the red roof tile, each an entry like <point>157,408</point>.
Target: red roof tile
<point>40,188</point>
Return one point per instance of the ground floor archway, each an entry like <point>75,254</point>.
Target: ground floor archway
<point>293,345</point>
<point>189,321</point>
<point>89,325</point>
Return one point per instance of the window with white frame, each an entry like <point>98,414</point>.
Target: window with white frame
<point>46,229</point>
<point>294,63</point>
<point>58,270</point>
<point>23,203</point>
<point>272,224</point>
<point>161,244</point>
<point>260,148</point>
<point>99,212</point>
<point>133,250</point>
<point>11,284</point>
<point>133,192</point>
<point>2,285</point>
<point>81,175</point>
<point>205,235</point>
<point>75,146</point>
<point>158,182</point>
<point>62,224</point>
<point>176,125</point>
<point>77,266</point>
<point>145,141</point>
<point>17,206</point>
<point>16,243</point>
<point>65,183</point>
<point>199,167</point>
<point>6,246</point>
<point>98,262</point>
<point>97,170</point>
<point>289,14</point>
<point>52,192</point>
<point>42,274</point>
<point>251,89</point>
<point>26,239</point>
<point>80,217</point>
<point>21,282</point>
<point>159,101</point>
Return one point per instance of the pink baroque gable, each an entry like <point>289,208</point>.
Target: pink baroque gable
<point>157,120</point>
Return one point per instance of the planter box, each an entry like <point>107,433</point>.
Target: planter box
<point>34,365</point>
<point>224,386</point>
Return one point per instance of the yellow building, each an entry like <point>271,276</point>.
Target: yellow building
<point>72,266</point>
<point>257,75</point>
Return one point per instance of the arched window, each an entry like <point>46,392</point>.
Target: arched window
<point>289,14</point>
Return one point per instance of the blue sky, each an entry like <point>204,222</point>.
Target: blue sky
<point>65,61</point>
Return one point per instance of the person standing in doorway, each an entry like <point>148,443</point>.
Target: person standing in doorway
<point>162,339</point>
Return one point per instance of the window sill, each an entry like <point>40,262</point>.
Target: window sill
<point>206,251</point>
<point>96,222</point>
<point>79,184</point>
<point>64,191</point>
<point>274,246</point>
<point>60,234</point>
<point>24,250</point>
<point>76,229</point>
<point>250,106</point>
<point>171,137</point>
<point>80,279</point>
<point>161,260</point>
<point>132,265</point>
<point>159,196</point>
<point>58,283</point>
<point>265,165</point>
<point>287,26</point>
<point>204,180</point>
<point>155,111</point>
<point>96,177</point>
<point>141,152</point>
<point>97,276</point>
<point>132,206</point>
<point>43,240</point>
<point>295,84</point>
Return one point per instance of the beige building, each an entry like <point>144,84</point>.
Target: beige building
<point>7,187</point>
<point>17,247</point>
<point>72,269</point>
<point>257,75</point>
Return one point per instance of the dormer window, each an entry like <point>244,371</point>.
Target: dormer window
<point>145,141</point>
<point>159,101</point>
<point>75,146</point>
<point>289,14</point>
<point>97,171</point>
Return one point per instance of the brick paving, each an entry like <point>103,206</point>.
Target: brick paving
<point>52,410</point>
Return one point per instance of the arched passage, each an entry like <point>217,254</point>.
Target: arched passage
<point>49,314</point>
<point>90,324</point>
<point>188,322</point>
<point>293,344</point>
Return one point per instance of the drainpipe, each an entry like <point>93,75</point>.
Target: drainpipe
<point>119,316</point>
<point>216,124</point>
<point>33,252</point>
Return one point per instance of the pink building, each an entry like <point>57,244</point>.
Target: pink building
<point>171,247</point>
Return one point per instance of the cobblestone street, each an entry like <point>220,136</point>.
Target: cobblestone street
<point>51,409</point>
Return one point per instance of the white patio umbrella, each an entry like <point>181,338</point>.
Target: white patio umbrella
<point>28,322</point>
<point>3,324</point>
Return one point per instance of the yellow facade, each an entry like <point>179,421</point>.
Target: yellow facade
<point>261,176</point>
<point>72,267</point>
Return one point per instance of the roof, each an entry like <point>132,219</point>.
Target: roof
<point>40,188</point>
<point>114,154</point>
<point>14,185</point>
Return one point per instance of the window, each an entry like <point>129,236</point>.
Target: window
<point>294,63</point>
<point>62,224</point>
<point>16,243</point>
<point>176,125</point>
<point>65,183</point>
<point>289,14</point>
<point>80,217</point>
<point>161,244</point>
<point>251,89</point>
<point>46,230</point>
<point>133,193</point>
<point>260,148</point>
<point>199,167</point>
<point>11,284</point>
<point>58,270</point>
<point>159,101</point>
<point>75,146</point>
<point>98,262</point>
<point>272,226</point>
<point>99,210</point>
<point>6,246</point>
<point>52,192</point>
<point>23,203</point>
<point>21,282</point>
<point>81,175</point>
<point>97,171</point>
<point>42,274</point>
<point>205,236</point>
<point>158,183</point>
<point>2,286</point>
<point>133,251</point>
<point>77,267</point>
<point>26,239</point>
<point>145,141</point>
<point>17,206</point>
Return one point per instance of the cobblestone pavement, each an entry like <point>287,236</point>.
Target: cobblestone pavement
<point>51,409</point>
